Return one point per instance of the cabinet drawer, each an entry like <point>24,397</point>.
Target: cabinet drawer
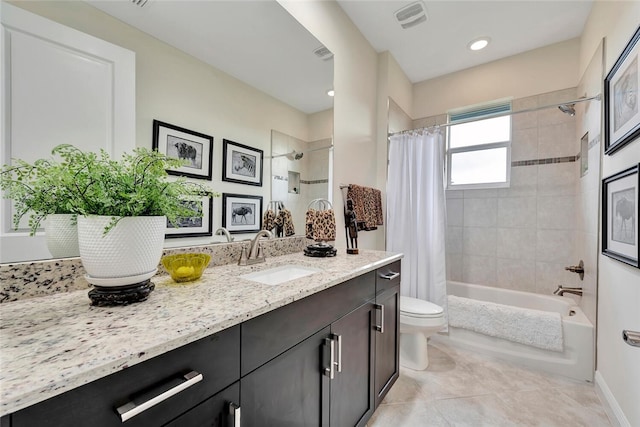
<point>215,357</point>
<point>269,335</point>
<point>387,277</point>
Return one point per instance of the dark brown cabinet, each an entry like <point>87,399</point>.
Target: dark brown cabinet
<point>325,360</point>
<point>215,359</point>
<point>352,397</point>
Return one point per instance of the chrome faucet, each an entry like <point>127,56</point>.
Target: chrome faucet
<point>255,252</point>
<point>567,290</point>
<point>221,231</point>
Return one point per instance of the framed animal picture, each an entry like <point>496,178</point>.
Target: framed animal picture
<point>622,117</point>
<point>194,148</point>
<point>194,226</point>
<point>241,213</point>
<point>241,164</point>
<point>620,216</point>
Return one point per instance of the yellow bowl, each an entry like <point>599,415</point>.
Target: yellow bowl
<point>186,267</point>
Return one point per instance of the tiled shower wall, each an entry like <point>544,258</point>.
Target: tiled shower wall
<point>521,237</point>
<point>313,168</point>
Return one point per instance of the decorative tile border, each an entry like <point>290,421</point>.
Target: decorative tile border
<point>41,278</point>
<point>547,161</point>
<point>315,181</point>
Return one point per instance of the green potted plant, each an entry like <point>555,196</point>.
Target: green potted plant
<point>122,206</point>
<point>44,191</point>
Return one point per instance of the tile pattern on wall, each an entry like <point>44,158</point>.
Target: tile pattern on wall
<point>522,237</point>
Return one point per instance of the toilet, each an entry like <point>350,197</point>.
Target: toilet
<point>419,319</point>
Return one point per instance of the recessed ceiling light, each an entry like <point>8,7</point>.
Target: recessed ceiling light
<point>331,92</point>
<point>478,44</point>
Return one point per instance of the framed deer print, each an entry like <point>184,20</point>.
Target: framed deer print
<point>241,213</point>
<point>620,216</point>
<point>194,148</point>
<point>241,164</point>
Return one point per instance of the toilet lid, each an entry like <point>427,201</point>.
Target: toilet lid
<point>414,307</point>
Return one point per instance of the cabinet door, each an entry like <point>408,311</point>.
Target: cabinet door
<point>352,402</point>
<point>290,390</point>
<point>220,410</point>
<point>387,341</point>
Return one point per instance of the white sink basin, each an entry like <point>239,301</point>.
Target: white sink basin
<point>277,275</point>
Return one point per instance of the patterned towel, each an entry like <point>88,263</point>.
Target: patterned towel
<point>309,218</point>
<point>367,205</point>
<point>285,222</point>
<point>268,220</point>
<point>324,226</point>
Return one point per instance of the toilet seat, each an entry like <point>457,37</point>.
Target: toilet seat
<point>420,309</point>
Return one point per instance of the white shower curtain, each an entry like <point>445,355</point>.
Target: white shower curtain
<point>416,217</point>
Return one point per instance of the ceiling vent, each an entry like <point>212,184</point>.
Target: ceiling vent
<point>141,3</point>
<point>323,53</point>
<point>411,15</point>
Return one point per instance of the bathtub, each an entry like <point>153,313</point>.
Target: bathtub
<point>577,359</point>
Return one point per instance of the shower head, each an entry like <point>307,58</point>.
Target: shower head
<point>294,155</point>
<point>568,109</point>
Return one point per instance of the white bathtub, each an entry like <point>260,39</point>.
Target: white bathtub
<point>577,359</point>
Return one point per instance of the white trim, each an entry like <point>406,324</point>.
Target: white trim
<point>609,402</point>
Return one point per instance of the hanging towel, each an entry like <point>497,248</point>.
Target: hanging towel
<point>537,328</point>
<point>268,220</point>
<point>324,226</point>
<point>367,205</point>
<point>284,221</point>
<point>309,218</point>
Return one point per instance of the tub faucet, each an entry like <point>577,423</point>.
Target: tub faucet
<point>255,252</point>
<point>221,231</point>
<point>567,290</point>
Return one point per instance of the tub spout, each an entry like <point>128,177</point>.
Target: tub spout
<point>567,290</point>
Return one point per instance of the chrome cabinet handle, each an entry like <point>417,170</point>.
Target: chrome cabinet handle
<point>631,337</point>
<point>380,327</point>
<point>235,411</point>
<point>339,362</point>
<point>133,408</point>
<point>332,361</point>
<point>392,275</point>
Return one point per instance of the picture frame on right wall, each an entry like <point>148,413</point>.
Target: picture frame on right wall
<point>622,112</point>
<point>620,216</point>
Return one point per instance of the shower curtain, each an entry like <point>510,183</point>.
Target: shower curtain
<point>416,217</point>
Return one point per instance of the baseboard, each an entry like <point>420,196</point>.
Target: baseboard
<point>614,412</point>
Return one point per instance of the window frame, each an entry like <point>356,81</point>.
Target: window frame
<point>475,114</point>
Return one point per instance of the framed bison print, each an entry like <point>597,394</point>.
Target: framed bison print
<point>241,214</point>
<point>241,164</point>
<point>193,226</point>
<point>620,216</point>
<point>194,148</point>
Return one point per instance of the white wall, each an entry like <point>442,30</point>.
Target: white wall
<point>355,103</point>
<point>618,365</point>
<point>534,72</point>
<point>174,87</point>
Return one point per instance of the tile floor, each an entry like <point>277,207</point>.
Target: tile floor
<point>463,388</point>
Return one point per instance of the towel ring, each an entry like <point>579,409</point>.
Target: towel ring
<point>323,204</point>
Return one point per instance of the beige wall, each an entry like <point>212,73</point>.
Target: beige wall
<point>174,87</point>
<point>534,72</point>
<point>355,102</point>
<point>618,365</point>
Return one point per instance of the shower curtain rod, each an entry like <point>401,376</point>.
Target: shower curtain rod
<point>510,113</point>
<point>302,152</point>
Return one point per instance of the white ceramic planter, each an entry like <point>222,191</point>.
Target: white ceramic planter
<point>131,249</point>
<point>61,234</point>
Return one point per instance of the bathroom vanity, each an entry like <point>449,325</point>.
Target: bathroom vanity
<point>317,350</point>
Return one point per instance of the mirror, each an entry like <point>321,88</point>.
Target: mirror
<point>300,173</point>
<point>256,42</point>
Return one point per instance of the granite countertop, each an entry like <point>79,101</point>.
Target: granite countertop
<point>52,344</point>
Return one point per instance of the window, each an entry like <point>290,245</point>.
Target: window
<point>479,148</point>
